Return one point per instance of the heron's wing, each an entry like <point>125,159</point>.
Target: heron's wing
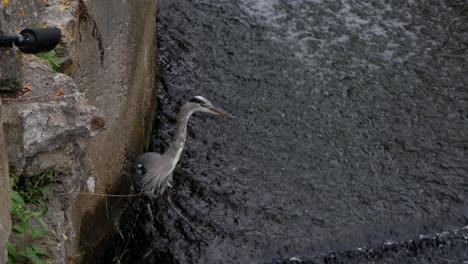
<point>156,174</point>
<point>155,179</point>
<point>140,167</point>
<point>169,181</point>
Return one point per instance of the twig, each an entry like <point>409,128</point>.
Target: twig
<point>128,240</point>
<point>103,194</point>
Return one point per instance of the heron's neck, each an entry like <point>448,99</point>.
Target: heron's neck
<point>175,150</point>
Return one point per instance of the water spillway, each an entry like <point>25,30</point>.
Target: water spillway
<point>351,131</point>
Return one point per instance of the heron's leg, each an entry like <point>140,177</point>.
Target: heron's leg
<point>186,220</point>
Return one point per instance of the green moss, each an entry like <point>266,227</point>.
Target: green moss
<point>51,58</point>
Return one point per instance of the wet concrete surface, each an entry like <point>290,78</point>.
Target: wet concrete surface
<point>351,131</point>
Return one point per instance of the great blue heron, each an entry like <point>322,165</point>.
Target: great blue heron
<point>152,172</point>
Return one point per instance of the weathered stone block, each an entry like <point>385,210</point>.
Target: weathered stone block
<point>55,114</point>
<point>46,121</point>
<point>10,73</point>
<point>10,77</point>
<point>65,18</point>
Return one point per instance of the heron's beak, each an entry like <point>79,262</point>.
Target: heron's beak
<point>218,111</point>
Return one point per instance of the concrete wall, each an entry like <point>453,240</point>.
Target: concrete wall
<point>4,195</point>
<point>117,68</point>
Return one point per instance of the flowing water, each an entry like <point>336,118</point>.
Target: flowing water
<point>351,139</point>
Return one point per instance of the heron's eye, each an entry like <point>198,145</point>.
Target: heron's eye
<point>197,101</point>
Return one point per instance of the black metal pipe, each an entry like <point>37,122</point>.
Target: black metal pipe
<point>32,40</point>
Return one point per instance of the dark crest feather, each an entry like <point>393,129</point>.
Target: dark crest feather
<point>197,100</point>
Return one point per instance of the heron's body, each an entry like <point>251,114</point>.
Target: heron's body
<point>152,171</point>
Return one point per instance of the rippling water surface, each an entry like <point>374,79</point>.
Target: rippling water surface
<point>352,130</point>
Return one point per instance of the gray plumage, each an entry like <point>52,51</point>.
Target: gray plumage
<point>152,172</point>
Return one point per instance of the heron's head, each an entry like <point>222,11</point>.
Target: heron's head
<point>203,105</point>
